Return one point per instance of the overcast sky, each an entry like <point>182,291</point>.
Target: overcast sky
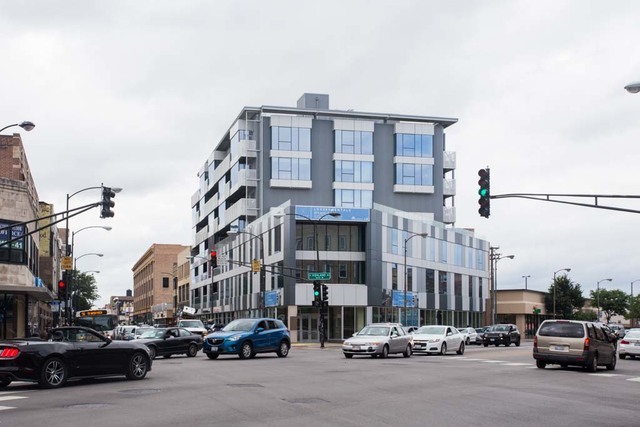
<point>136,95</point>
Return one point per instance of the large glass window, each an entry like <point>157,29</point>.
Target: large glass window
<point>351,171</point>
<point>291,168</point>
<point>354,198</point>
<point>290,139</point>
<point>410,145</point>
<point>414,174</point>
<point>354,142</point>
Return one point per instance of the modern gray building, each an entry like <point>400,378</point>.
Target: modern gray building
<point>365,198</point>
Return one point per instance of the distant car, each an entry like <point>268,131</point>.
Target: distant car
<point>630,345</point>
<point>480,335</point>
<point>573,342</point>
<point>194,326</point>
<point>169,341</point>
<point>470,335</point>
<point>71,352</point>
<point>506,334</point>
<point>247,337</point>
<point>140,330</point>
<point>379,339</point>
<point>618,329</point>
<point>410,329</point>
<point>438,339</point>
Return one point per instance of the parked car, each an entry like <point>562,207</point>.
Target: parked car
<point>247,337</point>
<point>194,326</point>
<point>501,334</point>
<point>140,330</point>
<point>480,334</point>
<point>470,335</point>
<point>379,339</point>
<point>630,345</point>
<point>410,329</point>
<point>70,352</point>
<point>618,329</point>
<point>169,341</point>
<point>438,339</point>
<point>572,342</point>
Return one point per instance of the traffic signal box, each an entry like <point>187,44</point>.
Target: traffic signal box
<point>485,193</point>
<point>317,297</point>
<point>214,259</point>
<point>62,290</point>
<point>107,203</point>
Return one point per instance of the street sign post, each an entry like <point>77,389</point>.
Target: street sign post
<point>325,275</point>
<point>67,263</point>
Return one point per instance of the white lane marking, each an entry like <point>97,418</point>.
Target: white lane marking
<point>4,408</point>
<point>605,375</point>
<point>495,361</point>
<point>466,359</point>
<point>636,379</point>
<point>2,398</point>
<point>517,364</point>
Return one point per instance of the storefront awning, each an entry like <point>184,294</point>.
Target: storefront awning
<point>38,293</point>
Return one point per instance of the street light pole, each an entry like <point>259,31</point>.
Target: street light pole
<point>26,125</point>
<point>495,257</point>
<point>406,276</point>
<point>555,286</point>
<point>525,281</point>
<point>598,295</point>
<point>70,293</point>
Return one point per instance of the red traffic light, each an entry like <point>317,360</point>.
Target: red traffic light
<point>61,284</point>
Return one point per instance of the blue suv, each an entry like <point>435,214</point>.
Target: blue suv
<point>247,337</point>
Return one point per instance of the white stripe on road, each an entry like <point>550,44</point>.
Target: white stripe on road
<point>4,408</point>
<point>517,364</point>
<point>12,397</point>
<point>636,379</point>
<point>606,375</point>
<point>466,359</point>
<point>495,361</point>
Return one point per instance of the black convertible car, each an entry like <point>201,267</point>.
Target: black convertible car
<point>71,352</point>
<point>168,341</point>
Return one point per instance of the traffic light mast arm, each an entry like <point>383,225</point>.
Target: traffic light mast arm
<point>547,198</point>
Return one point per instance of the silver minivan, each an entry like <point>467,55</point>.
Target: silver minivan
<point>572,342</point>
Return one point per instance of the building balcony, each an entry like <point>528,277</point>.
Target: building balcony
<point>449,187</point>
<point>449,214</point>
<point>448,160</point>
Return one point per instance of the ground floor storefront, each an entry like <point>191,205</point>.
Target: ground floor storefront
<point>24,311</point>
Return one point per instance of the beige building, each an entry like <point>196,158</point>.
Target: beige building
<point>152,284</point>
<point>181,277</point>
<point>21,288</point>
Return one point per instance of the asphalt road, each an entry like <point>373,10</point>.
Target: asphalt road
<point>312,387</point>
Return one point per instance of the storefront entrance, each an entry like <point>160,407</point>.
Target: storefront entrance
<point>308,327</point>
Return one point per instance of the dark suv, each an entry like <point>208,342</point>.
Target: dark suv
<point>501,334</point>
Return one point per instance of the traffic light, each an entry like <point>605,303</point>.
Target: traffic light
<point>317,299</point>
<point>107,203</point>
<point>325,292</point>
<point>62,290</point>
<point>214,259</point>
<point>485,194</point>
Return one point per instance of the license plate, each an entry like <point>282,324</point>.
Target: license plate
<point>356,347</point>
<point>419,346</point>
<point>214,348</point>
<point>559,348</point>
<point>492,339</point>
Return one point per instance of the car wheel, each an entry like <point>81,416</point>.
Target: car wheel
<point>407,352</point>
<point>622,356</point>
<point>53,374</point>
<point>612,366</point>
<point>540,364</point>
<point>507,343</point>
<point>192,350</point>
<point>385,352</point>
<point>4,382</point>
<point>467,342</point>
<point>443,348</point>
<point>348,356</point>
<point>497,345</point>
<point>593,366</point>
<point>518,343</point>
<point>486,345</point>
<point>460,351</point>
<point>283,350</point>
<point>152,352</point>
<point>212,356</point>
<point>246,350</point>
<point>138,367</point>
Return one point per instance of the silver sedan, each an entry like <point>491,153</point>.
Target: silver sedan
<point>438,339</point>
<point>379,339</point>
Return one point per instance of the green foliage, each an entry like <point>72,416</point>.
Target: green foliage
<point>84,290</point>
<point>612,302</point>
<point>634,309</point>
<point>585,315</point>
<point>569,299</point>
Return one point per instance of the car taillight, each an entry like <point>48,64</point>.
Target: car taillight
<point>587,343</point>
<point>9,353</point>
<point>624,342</point>
<point>535,341</point>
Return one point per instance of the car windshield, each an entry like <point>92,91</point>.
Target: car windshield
<point>479,330</point>
<point>240,325</point>
<point>431,330</point>
<point>498,328</point>
<point>191,324</point>
<point>375,331</point>
<point>561,329</point>
<point>633,334</point>
<point>153,333</point>
<point>141,331</point>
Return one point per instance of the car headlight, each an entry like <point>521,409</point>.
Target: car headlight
<point>434,340</point>
<point>234,338</point>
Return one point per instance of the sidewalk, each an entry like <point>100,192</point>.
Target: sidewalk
<point>327,344</point>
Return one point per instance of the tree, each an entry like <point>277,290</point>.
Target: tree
<point>85,290</point>
<point>634,310</point>
<point>568,297</point>
<point>612,302</point>
<point>587,315</point>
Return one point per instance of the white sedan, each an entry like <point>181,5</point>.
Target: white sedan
<point>438,339</point>
<point>470,335</point>
<point>630,345</point>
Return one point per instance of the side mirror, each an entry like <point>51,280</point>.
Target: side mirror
<point>258,330</point>
<point>449,333</point>
<point>354,334</point>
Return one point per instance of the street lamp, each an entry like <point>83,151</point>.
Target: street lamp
<point>525,281</point>
<point>554,288</point>
<point>406,276</point>
<point>315,243</point>
<point>263,283</point>
<point>633,87</point>
<point>69,280</point>
<point>495,257</point>
<point>26,125</point>
<point>598,295</point>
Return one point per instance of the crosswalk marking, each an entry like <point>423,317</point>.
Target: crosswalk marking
<point>636,379</point>
<point>2,398</point>
<point>466,359</point>
<point>4,408</point>
<point>605,375</point>
<point>494,361</point>
<point>517,364</point>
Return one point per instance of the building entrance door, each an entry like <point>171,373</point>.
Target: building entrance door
<point>308,327</point>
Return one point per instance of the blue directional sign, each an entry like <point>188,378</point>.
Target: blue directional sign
<point>398,299</point>
<point>271,298</point>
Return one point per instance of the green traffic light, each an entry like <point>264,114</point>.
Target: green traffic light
<point>316,293</point>
<point>483,192</point>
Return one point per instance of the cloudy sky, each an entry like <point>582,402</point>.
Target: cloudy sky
<point>136,94</point>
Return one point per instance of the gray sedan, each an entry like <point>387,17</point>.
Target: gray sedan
<point>379,339</point>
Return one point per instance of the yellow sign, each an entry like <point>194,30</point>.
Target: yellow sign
<point>255,265</point>
<point>67,263</point>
